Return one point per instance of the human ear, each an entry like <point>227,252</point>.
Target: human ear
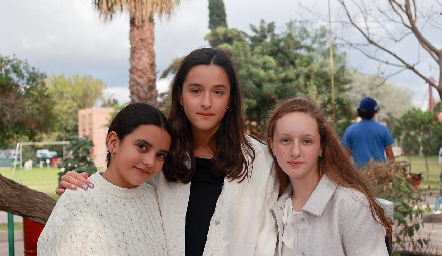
<point>112,139</point>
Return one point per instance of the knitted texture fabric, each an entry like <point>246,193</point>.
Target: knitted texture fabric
<point>105,220</point>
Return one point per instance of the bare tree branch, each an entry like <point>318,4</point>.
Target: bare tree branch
<point>407,13</point>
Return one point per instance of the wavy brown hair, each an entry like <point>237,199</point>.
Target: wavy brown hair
<point>335,161</point>
<point>233,153</point>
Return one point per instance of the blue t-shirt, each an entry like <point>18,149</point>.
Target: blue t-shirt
<point>367,139</point>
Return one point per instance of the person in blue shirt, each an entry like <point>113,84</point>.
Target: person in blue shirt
<point>367,139</point>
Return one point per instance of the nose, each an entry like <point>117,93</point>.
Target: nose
<point>296,150</point>
<point>206,100</point>
<point>149,160</point>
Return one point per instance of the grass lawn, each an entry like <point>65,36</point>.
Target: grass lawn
<point>418,166</point>
<point>17,226</point>
<point>41,179</point>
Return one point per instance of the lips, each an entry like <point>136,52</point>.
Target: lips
<point>205,114</point>
<point>144,171</point>
<point>295,164</point>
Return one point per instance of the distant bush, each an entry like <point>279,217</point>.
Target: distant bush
<point>393,183</point>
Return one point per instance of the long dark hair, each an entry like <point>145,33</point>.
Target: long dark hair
<point>234,152</point>
<point>335,161</point>
<point>134,115</point>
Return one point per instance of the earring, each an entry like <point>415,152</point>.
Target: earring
<point>187,161</point>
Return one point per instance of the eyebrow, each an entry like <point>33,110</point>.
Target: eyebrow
<point>150,145</point>
<point>305,134</point>
<point>200,85</point>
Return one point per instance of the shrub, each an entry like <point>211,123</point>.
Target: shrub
<point>392,182</point>
<point>79,159</point>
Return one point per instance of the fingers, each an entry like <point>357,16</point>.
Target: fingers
<point>67,185</point>
<point>59,191</point>
<point>84,174</point>
<point>72,180</point>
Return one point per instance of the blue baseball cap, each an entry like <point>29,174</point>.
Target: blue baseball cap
<point>369,105</point>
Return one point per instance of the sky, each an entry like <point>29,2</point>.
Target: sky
<point>68,37</point>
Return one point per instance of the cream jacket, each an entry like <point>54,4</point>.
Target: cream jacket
<point>242,223</point>
<point>334,221</point>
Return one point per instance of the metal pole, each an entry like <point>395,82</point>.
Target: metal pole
<point>21,168</point>
<point>15,160</point>
<point>11,234</point>
<point>331,63</point>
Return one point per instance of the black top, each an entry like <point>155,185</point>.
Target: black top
<point>204,192</point>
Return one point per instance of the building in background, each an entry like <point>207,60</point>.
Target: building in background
<point>94,122</point>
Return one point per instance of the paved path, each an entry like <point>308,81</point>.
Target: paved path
<point>18,250</point>
<point>433,224</point>
<point>18,237</point>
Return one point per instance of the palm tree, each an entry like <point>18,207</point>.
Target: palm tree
<point>142,35</point>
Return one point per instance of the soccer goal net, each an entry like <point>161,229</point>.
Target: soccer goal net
<point>41,158</point>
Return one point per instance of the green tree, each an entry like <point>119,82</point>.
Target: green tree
<point>224,35</point>
<point>25,110</point>
<point>293,63</point>
<point>80,159</point>
<point>70,95</point>
<point>109,102</point>
<point>142,54</point>
<point>217,21</point>
<point>217,14</point>
<point>438,107</point>
<point>418,131</point>
<point>25,107</point>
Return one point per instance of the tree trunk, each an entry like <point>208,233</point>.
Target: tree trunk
<point>142,62</point>
<point>23,201</point>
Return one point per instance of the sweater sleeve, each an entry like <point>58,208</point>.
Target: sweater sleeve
<point>267,236</point>
<point>63,233</point>
<point>361,234</point>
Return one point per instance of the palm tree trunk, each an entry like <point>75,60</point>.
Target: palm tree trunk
<point>142,62</point>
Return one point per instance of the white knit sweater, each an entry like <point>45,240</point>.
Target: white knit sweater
<point>106,220</point>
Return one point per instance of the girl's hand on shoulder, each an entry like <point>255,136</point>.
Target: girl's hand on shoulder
<point>72,180</point>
